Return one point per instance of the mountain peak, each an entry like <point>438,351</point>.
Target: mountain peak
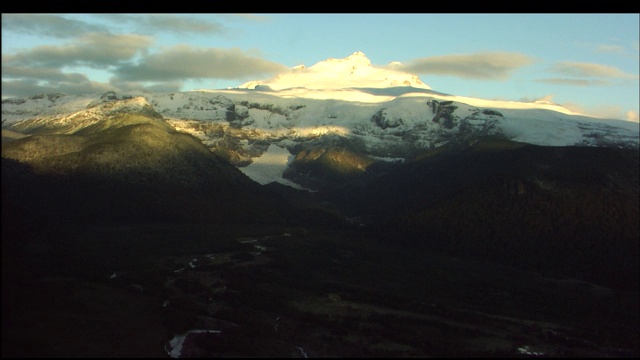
<point>358,58</point>
<point>354,71</point>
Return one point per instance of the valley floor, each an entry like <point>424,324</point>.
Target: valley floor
<point>295,292</point>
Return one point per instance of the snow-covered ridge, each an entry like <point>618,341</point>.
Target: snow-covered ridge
<point>47,105</point>
<point>68,120</point>
<point>334,99</point>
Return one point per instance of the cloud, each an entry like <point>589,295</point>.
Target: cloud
<point>167,86</point>
<point>20,81</point>
<point>614,49</point>
<point>587,74</point>
<point>77,84</point>
<point>29,87</point>
<point>41,69</point>
<point>168,23</point>
<point>606,111</point>
<point>41,74</point>
<point>547,99</point>
<point>250,17</point>
<point>605,48</point>
<point>603,111</point>
<point>610,49</point>
<point>184,62</point>
<point>484,66</point>
<point>573,82</point>
<point>182,24</point>
<point>94,50</point>
<point>48,25</point>
<point>590,70</point>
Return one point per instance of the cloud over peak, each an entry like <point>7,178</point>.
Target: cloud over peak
<point>483,66</point>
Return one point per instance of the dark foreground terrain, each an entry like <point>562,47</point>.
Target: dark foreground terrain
<point>500,250</point>
<point>150,290</point>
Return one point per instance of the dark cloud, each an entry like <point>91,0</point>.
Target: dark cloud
<point>30,87</point>
<point>484,66</point>
<point>184,62</point>
<point>41,73</point>
<point>93,50</point>
<point>48,25</point>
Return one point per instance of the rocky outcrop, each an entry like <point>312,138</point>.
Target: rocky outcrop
<point>108,96</point>
<point>443,113</point>
<point>383,121</point>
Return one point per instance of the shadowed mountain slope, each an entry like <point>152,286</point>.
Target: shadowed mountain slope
<point>129,166</point>
<point>564,211</point>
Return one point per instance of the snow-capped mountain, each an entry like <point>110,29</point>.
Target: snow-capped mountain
<point>156,198</point>
<point>354,71</point>
<point>380,114</point>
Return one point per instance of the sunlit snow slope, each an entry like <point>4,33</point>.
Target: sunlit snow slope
<point>382,113</point>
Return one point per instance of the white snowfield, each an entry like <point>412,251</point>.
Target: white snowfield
<point>345,97</point>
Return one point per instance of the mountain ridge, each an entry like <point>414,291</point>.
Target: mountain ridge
<point>310,142</point>
<point>127,157</point>
<point>240,124</point>
<point>349,222</point>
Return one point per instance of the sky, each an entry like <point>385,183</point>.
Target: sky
<point>588,63</point>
